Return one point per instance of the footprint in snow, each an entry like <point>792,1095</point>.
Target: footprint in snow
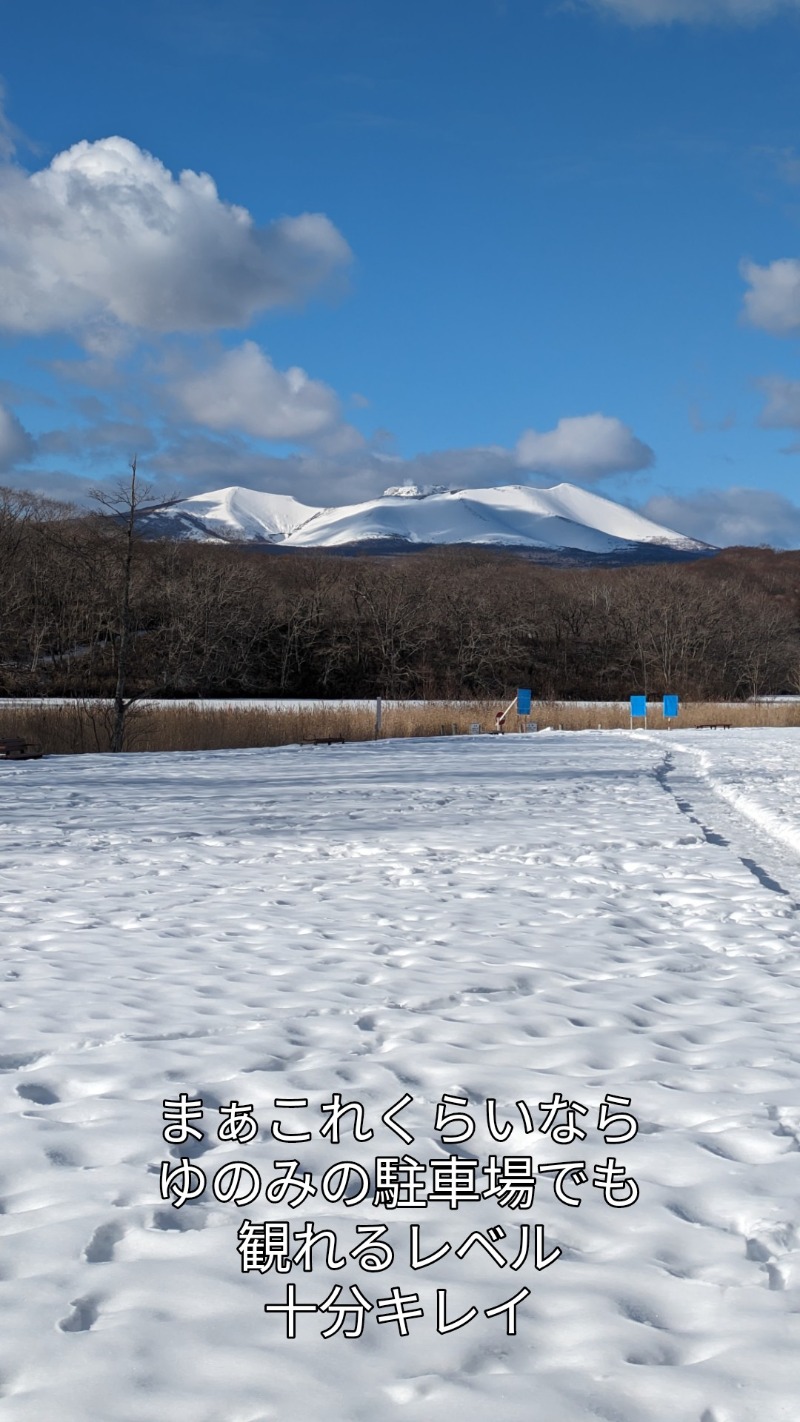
<point>100,1249</point>
<point>772,1249</point>
<point>183,1220</point>
<point>84,1315</point>
<point>39,1093</point>
<point>17,1060</point>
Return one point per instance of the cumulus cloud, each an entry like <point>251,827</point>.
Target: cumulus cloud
<point>243,391</point>
<point>730,516</point>
<point>773,301</point>
<point>782,409</point>
<point>698,12</point>
<point>16,444</point>
<point>106,234</point>
<point>585,447</point>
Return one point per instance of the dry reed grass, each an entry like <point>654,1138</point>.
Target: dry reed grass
<point>69,728</point>
<point>568,716</point>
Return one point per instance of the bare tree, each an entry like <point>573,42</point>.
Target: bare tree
<point>126,502</point>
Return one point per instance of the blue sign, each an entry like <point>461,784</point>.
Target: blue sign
<point>670,707</point>
<point>639,706</point>
<point>523,703</point>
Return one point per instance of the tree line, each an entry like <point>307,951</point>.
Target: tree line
<point>90,607</point>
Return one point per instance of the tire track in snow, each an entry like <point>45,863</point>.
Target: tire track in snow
<point>785,835</point>
<point>770,1243</point>
<point>697,794</point>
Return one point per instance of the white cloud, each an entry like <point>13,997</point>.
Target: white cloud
<point>773,301</point>
<point>585,447</point>
<point>107,234</point>
<point>730,516</point>
<point>698,12</point>
<point>782,410</point>
<point>16,444</point>
<point>243,391</point>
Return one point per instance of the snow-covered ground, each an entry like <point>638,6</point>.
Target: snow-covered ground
<point>497,919</point>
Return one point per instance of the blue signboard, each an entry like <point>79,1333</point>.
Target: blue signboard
<point>639,706</point>
<point>523,703</point>
<point>670,707</point>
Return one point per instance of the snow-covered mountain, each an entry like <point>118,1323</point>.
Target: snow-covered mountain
<point>234,515</point>
<point>515,515</point>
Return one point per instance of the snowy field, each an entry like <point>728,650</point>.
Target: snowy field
<point>506,920</point>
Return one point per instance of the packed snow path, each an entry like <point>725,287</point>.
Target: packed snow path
<point>498,918</point>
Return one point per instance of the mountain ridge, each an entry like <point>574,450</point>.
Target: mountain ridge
<point>561,519</point>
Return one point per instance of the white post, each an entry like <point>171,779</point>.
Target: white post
<point>500,718</point>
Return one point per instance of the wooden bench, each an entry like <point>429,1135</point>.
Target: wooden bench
<point>713,726</point>
<point>15,748</point>
<point>325,741</point>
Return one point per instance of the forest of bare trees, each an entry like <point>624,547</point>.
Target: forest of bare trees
<point>221,619</point>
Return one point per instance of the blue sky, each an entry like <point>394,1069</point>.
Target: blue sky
<point>341,244</point>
